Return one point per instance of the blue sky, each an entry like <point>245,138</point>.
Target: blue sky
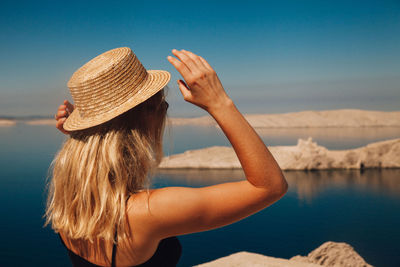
<point>272,56</point>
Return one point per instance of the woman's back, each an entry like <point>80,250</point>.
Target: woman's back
<point>158,214</point>
<point>142,249</point>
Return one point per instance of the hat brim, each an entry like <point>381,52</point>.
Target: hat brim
<point>155,81</point>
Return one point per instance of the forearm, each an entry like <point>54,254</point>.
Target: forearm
<point>258,164</point>
<point>205,90</point>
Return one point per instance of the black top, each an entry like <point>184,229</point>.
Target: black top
<point>168,252</point>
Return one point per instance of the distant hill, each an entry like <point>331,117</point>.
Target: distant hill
<point>303,119</point>
<point>25,118</point>
<point>310,119</point>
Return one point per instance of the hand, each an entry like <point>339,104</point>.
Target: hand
<point>62,114</point>
<point>203,87</point>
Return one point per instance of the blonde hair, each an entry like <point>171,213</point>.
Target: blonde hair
<point>97,169</point>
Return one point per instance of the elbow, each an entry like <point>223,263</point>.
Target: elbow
<point>280,187</point>
<point>274,189</point>
<point>283,187</point>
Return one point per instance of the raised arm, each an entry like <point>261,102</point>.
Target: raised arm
<point>205,90</point>
<point>179,210</point>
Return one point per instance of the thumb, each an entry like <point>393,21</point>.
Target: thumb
<point>187,95</point>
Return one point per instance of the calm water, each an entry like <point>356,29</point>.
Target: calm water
<point>361,209</point>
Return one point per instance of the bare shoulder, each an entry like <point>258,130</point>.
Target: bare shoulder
<point>138,212</point>
<point>148,211</point>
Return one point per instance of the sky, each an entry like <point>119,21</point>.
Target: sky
<point>271,56</point>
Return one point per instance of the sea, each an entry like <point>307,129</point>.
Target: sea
<point>361,208</point>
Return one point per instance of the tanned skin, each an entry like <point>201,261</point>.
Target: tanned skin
<point>173,211</point>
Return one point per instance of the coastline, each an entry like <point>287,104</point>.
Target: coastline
<point>7,122</point>
<point>304,119</point>
<point>306,155</point>
<point>41,122</point>
<point>310,119</point>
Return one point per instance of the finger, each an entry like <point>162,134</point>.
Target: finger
<point>195,58</point>
<point>187,95</point>
<point>205,63</point>
<point>60,114</point>
<point>185,59</point>
<point>70,107</point>
<point>61,107</point>
<point>179,66</point>
<point>59,125</point>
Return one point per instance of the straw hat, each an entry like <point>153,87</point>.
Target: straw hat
<point>109,85</point>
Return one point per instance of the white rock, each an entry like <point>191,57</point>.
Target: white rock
<point>245,259</point>
<point>334,254</point>
<point>306,155</point>
<point>328,254</point>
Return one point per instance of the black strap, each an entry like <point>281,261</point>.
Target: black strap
<point>114,250</point>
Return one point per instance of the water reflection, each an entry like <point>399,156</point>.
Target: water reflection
<point>307,185</point>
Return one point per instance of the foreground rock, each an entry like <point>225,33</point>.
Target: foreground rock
<point>310,119</point>
<point>306,155</point>
<point>328,254</point>
<point>333,254</point>
<point>245,259</point>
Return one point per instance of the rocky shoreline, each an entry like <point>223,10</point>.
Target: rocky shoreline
<point>328,254</point>
<point>306,155</point>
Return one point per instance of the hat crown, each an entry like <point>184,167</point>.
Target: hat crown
<point>106,82</point>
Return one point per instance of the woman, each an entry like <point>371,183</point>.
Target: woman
<point>98,201</point>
